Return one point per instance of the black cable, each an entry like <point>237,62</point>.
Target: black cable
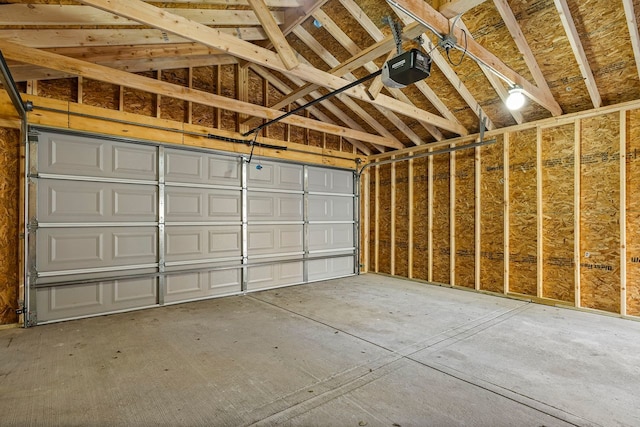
<point>315,101</point>
<point>253,145</point>
<point>464,51</point>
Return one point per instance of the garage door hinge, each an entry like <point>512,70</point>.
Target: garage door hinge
<point>33,225</point>
<point>21,308</point>
<point>33,136</point>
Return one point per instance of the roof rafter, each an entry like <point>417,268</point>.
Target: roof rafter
<point>456,7</point>
<point>160,18</point>
<point>632,24</point>
<point>98,72</point>
<point>278,40</point>
<point>578,51</point>
<point>440,24</point>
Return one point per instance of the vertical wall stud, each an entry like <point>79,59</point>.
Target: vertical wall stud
<point>218,111</point>
<point>452,217</point>
<point>80,89</point>
<point>577,155</point>
<point>430,218</point>
<point>410,220</point>
<point>367,220</point>
<point>158,97</point>
<point>505,161</point>
<point>478,217</point>
<point>190,104</point>
<point>376,198</point>
<point>539,213</point>
<point>623,212</point>
<point>392,233</point>
<point>121,99</point>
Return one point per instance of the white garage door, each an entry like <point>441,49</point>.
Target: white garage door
<point>120,225</point>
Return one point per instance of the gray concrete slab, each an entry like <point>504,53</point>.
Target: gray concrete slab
<point>368,350</point>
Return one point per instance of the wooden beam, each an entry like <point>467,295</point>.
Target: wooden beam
<point>392,233</point>
<point>623,213</point>
<point>577,212</point>
<point>270,3</point>
<point>270,26</point>
<point>62,37</point>
<point>452,217</point>
<point>478,217</point>
<point>425,13</point>
<point>295,17</point>
<point>376,199</point>
<point>539,217</point>
<point>410,224</point>
<point>632,24</point>
<point>366,191</point>
<point>578,51</point>
<point>506,211</point>
<point>68,15</point>
<point>101,73</point>
<point>430,218</point>
<point>160,18</point>
<point>455,7</point>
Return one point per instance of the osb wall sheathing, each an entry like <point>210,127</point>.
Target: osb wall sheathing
<point>633,212</point>
<point>600,213</point>
<point>402,219</point>
<point>100,94</point>
<point>522,212</point>
<point>172,108</point>
<point>9,218</point>
<point>205,79</point>
<point>441,215</point>
<point>384,221</point>
<point>140,102</point>
<point>420,218</point>
<point>62,89</point>
<point>558,213</point>
<point>492,217</point>
<point>228,89</point>
<point>465,218</point>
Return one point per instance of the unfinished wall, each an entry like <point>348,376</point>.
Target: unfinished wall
<point>9,218</point>
<point>492,217</point>
<point>384,220</point>
<point>550,197</point>
<point>401,235</point>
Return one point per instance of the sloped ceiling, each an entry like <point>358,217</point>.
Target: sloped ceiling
<point>569,55</point>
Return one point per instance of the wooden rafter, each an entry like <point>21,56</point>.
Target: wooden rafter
<point>578,51</point>
<point>632,24</point>
<point>160,18</point>
<point>270,3</point>
<point>47,38</point>
<point>514,29</point>
<point>456,7</point>
<point>98,72</point>
<point>440,24</point>
<point>278,40</point>
<point>50,14</point>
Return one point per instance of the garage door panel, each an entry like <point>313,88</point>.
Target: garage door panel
<point>322,269</point>
<point>189,204</point>
<point>275,275</point>
<point>275,239</point>
<point>330,208</point>
<point>324,180</point>
<point>80,201</point>
<point>275,206</point>
<point>62,249</point>
<point>324,237</point>
<point>189,243</point>
<point>188,286</point>
<point>70,301</point>
<point>276,175</point>
<point>200,168</point>
<point>84,156</point>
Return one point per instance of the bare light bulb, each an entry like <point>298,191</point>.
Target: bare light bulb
<point>516,98</point>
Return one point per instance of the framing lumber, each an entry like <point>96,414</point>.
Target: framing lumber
<point>632,24</point>
<point>578,51</point>
<point>270,26</point>
<point>270,3</point>
<point>452,217</point>
<point>539,216</point>
<point>429,15</point>
<point>623,213</point>
<point>577,188</point>
<point>477,217</point>
<point>430,218</point>
<point>410,219</point>
<point>101,73</point>
<point>367,223</point>
<point>392,234</point>
<point>506,197</point>
<point>455,7</point>
<point>377,221</point>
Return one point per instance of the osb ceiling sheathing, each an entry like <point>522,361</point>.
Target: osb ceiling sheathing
<point>587,53</point>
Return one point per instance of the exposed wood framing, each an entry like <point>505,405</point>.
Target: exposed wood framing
<point>623,213</point>
<point>430,218</point>
<point>577,188</point>
<point>578,51</point>
<point>190,104</point>
<point>97,72</point>
<point>452,217</point>
<point>455,7</point>
<point>410,219</point>
<point>367,220</point>
<point>505,163</point>
<point>270,26</point>
<point>377,222</point>
<point>539,216</point>
<point>441,24</point>
<point>477,217</point>
<point>393,218</point>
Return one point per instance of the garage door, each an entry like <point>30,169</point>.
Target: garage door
<point>121,225</point>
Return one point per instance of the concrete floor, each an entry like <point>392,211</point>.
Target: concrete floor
<point>360,351</point>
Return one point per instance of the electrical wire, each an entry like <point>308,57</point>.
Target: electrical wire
<point>464,51</point>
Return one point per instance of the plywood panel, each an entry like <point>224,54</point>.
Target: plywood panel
<point>9,220</point>
<point>523,213</point>
<point>140,102</point>
<point>465,218</point>
<point>402,219</point>
<point>100,94</point>
<point>441,211</point>
<point>492,217</point>
<point>384,241</point>
<point>172,108</point>
<point>600,205</point>
<point>633,213</point>
<point>204,79</point>
<point>228,89</point>
<point>558,212</point>
<point>420,218</point>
